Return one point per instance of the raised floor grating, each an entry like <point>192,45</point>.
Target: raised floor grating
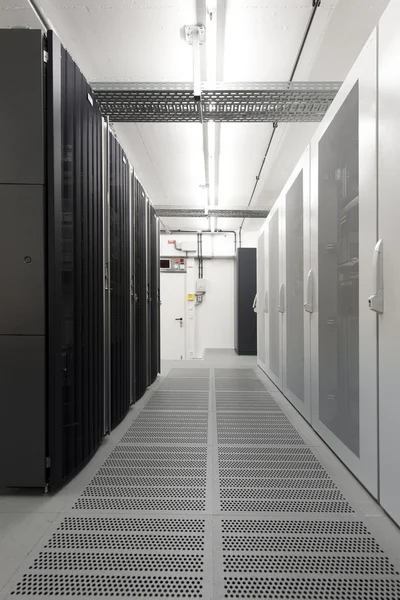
<point>239,385</point>
<point>236,373</point>
<point>151,525</point>
<point>139,586</point>
<point>182,383</point>
<point>189,373</point>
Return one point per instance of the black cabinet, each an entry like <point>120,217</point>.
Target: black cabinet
<point>245,291</point>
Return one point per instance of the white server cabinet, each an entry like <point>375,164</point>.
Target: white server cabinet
<point>274,301</point>
<point>386,282</point>
<point>261,358</point>
<point>343,237</point>
<point>296,283</point>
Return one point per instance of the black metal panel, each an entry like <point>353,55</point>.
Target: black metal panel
<point>22,304</point>
<point>75,317</point>
<point>22,411</point>
<point>120,284</point>
<point>140,290</point>
<point>22,151</point>
<point>246,285</point>
<point>22,260</point>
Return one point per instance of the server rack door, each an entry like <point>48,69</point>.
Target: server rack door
<point>246,319</point>
<point>132,246</point>
<point>107,284</point>
<point>158,300</point>
<point>22,260</point>
<point>75,247</point>
<point>120,282</point>
<point>276,298</point>
<point>298,288</point>
<point>343,213</point>
<point>389,218</point>
<point>141,296</point>
<point>261,295</point>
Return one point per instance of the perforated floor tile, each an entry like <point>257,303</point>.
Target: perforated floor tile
<point>212,495</point>
<point>236,373</point>
<point>185,383</point>
<point>239,385</point>
<point>189,373</point>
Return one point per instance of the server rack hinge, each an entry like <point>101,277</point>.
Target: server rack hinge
<point>45,56</point>
<point>48,462</point>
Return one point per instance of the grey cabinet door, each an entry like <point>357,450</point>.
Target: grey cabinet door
<point>295,238</point>
<point>343,224</point>
<point>389,232</point>
<point>260,300</point>
<point>275,293</point>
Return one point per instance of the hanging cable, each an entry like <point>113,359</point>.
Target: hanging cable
<point>315,5</point>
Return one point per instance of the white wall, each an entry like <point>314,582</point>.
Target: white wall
<point>212,325</point>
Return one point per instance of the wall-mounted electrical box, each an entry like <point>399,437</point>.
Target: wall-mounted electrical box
<point>186,246</point>
<point>201,285</point>
<point>173,265</point>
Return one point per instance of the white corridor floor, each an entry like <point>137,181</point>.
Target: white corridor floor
<point>212,487</point>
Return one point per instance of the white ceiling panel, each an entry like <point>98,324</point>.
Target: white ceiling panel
<point>127,41</point>
<point>16,14</point>
<point>262,39</point>
<point>242,148</point>
<point>176,151</point>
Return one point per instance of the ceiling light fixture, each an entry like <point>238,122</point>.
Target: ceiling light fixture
<point>211,56</point>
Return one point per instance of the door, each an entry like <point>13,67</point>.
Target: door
<point>343,224</point>
<point>274,300</point>
<point>173,287</point>
<point>389,219</point>
<point>297,279</point>
<point>260,301</point>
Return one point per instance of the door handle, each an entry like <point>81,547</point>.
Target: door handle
<point>255,303</point>
<point>266,302</point>
<point>180,321</point>
<point>376,301</point>
<point>309,303</point>
<point>281,305</point>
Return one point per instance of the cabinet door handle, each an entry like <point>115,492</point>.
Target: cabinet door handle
<point>281,306</point>
<point>255,303</point>
<point>376,301</point>
<point>266,302</point>
<point>309,303</point>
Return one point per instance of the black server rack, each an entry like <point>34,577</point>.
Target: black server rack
<point>140,288</point>
<point>51,258</point>
<point>246,287</point>
<point>120,266</point>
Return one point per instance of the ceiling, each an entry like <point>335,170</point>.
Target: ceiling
<point>257,40</point>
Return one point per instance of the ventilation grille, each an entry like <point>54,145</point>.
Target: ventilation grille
<point>299,543</point>
<point>124,541</point>
<point>135,525</point>
<point>98,561</point>
<point>137,491</point>
<point>182,383</point>
<point>235,373</point>
<point>239,385</point>
<point>189,373</point>
<point>305,589</point>
<point>140,504</point>
<point>110,585</point>
<point>310,565</point>
<point>285,506</point>
<point>250,526</point>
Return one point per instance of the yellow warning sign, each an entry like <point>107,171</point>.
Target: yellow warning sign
<point>191,297</point>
